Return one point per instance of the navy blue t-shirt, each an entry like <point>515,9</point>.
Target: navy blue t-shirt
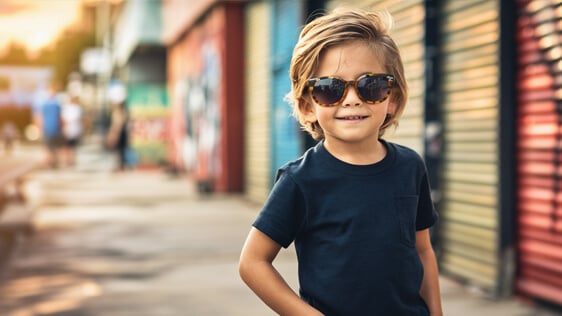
<point>354,230</point>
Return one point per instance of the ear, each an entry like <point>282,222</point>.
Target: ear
<point>307,110</point>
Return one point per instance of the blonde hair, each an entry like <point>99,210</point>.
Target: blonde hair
<point>337,28</point>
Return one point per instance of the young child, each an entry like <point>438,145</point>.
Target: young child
<point>357,207</point>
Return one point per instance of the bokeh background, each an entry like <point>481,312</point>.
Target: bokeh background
<point>205,80</point>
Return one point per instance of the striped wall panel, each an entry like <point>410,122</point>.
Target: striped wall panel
<point>539,157</point>
<point>470,94</point>
<point>257,116</point>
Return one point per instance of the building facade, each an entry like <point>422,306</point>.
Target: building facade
<point>206,82</point>
<point>483,110</point>
<point>139,64</point>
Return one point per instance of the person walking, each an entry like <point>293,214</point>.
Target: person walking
<point>51,126</point>
<point>356,206</point>
<point>118,135</point>
<point>72,128</point>
<point>10,135</point>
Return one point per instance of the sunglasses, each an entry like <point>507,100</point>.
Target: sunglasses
<point>371,88</point>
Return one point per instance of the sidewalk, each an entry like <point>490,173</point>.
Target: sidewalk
<point>144,243</point>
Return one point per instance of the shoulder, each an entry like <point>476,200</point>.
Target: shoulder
<point>403,152</point>
<point>301,166</point>
<point>406,158</point>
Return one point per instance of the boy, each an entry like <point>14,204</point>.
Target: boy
<point>356,206</point>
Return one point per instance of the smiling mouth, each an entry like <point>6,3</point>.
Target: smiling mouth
<point>352,118</point>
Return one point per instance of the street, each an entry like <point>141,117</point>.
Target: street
<point>145,243</point>
<point>139,243</point>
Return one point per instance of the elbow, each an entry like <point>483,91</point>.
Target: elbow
<point>244,269</point>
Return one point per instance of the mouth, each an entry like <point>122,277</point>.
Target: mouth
<point>352,117</point>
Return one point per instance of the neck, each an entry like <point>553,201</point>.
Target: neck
<point>356,153</point>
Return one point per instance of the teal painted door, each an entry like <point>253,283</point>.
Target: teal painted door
<point>285,134</point>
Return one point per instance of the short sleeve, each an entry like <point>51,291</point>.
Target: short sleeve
<point>283,213</point>
<point>426,215</point>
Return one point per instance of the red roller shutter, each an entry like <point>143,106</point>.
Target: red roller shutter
<point>539,145</point>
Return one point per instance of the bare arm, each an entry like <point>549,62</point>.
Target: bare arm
<point>258,272</point>
<point>430,285</point>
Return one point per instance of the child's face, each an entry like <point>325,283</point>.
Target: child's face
<point>352,120</point>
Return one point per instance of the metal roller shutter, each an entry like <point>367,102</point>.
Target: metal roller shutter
<point>470,74</point>
<point>539,146</point>
<point>257,94</point>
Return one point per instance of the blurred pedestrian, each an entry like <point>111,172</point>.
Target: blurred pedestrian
<point>118,135</point>
<point>9,136</point>
<point>72,128</point>
<point>357,207</point>
<point>51,126</point>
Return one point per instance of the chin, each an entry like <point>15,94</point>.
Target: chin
<point>356,139</point>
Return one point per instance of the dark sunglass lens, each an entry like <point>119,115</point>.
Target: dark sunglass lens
<point>328,90</point>
<point>373,88</point>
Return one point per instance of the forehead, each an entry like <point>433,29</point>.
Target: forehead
<point>350,59</point>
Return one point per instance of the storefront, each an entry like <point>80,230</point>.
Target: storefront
<point>139,59</point>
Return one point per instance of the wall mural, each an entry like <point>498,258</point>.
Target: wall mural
<point>201,150</point>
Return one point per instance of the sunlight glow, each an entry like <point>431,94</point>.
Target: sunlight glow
<point>33,23</point>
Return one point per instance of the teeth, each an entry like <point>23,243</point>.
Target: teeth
<point>353,118</point>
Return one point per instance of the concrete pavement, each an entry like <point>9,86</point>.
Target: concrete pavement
<point>144,243</point>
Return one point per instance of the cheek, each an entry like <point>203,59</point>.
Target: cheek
<point>324,115</point>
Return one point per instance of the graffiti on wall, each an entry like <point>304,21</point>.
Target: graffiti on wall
<point>201,150</point>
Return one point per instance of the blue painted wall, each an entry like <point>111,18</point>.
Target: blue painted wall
<point>285,134</point>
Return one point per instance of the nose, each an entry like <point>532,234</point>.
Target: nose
<point>351,98</point>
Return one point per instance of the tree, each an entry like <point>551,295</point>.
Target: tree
<point>68,49</point>
<point>63,56</point>
<point>17,55</point>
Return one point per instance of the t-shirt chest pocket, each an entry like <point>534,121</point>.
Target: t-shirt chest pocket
<point>406,209</point>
